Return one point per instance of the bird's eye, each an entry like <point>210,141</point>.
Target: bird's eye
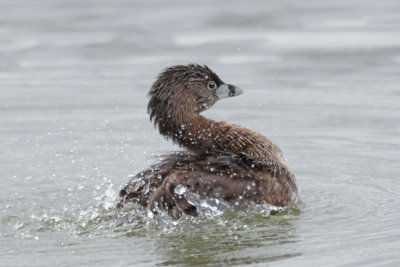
<point>212,85</point>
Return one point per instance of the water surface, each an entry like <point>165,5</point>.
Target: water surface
<point>321,79</point>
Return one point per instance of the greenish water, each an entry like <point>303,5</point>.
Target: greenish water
<point>321,79</point>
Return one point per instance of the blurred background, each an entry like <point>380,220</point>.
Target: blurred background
<point>321,79</point>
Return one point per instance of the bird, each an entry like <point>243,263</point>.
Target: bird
<point>218,160</point>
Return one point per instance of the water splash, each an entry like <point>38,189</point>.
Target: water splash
<point>99,216</point>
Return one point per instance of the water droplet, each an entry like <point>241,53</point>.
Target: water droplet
<point>19,225</point>
<point>180,189</point>
<point>150,214</point>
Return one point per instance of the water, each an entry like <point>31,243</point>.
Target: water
<point>321,79</point>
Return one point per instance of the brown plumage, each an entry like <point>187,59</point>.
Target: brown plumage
<point>221,160</point>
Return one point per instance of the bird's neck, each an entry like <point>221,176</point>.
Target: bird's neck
<point>201,135</point>
<point>194,132</point>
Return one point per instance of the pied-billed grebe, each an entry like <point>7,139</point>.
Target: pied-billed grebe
<point>222,160</point>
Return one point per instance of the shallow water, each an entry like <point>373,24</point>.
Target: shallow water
<point>320,79</point>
